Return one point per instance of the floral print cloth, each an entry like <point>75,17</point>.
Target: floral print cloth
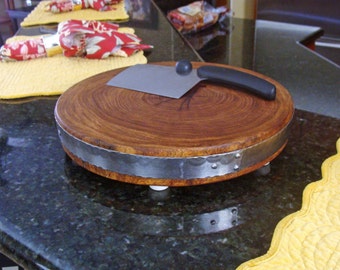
<point>58,6</point>
<point>81,38</point>
<point>23,50</point>
<point>93,39</point>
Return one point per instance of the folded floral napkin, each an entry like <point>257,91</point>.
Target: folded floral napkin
<point>80,38</point>
<point>53,75</point>
<point>57,6</point>
<point>41,16</point>
<point>309,238</point>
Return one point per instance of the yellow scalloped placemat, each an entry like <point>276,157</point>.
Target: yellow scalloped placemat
<point>310,238</point>
<point>54,75</point>
<point>40,16</point>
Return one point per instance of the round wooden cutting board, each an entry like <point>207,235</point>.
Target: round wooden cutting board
<point>212,133</point>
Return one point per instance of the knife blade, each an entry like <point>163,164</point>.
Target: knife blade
<point>165,80</point>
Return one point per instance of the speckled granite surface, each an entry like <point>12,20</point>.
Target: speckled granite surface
<point>54,214</point>
<point>62,216</point>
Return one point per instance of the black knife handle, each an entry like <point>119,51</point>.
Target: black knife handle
<point>240,79</point>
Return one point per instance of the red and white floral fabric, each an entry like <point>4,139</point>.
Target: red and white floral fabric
<point>23,50</point>
<point>57,6</point>
<point>89,39</point>
<point>94,39</point>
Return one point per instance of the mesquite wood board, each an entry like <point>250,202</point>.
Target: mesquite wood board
<point>213,133</point>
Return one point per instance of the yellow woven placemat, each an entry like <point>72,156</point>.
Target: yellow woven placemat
<point>310,238</point>
<point>54,75</point>
<point>40,16</point>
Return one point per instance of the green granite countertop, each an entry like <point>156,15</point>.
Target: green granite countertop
<point>56,215</point>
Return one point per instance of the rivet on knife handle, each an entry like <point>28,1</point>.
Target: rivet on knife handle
<point>240,79</point>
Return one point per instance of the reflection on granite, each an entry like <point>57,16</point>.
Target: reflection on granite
<point>59,215</point>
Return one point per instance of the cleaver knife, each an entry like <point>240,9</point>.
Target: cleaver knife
<point>175,81</point>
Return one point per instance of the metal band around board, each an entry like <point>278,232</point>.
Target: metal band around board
<point>173,168</point>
